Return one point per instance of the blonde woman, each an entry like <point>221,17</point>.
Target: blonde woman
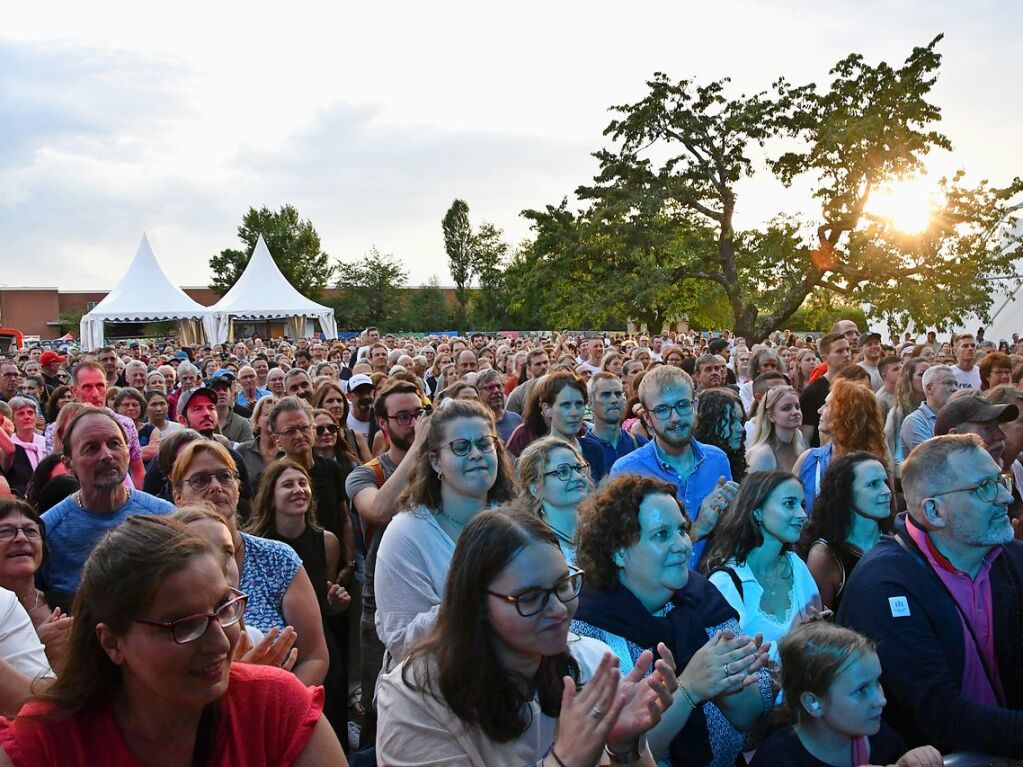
<point>776,442</point>
<point>553,480</point>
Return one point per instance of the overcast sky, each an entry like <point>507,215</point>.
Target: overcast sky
<point>119,118</point>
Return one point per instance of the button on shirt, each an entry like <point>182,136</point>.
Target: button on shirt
<point>710,463</point>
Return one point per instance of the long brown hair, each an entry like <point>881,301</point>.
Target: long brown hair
<point>482,692</point>
<point>737,532</point>
<point>119,581</point>
<point>424,484</point>
<point>262,522</point>
<point>855,418</point>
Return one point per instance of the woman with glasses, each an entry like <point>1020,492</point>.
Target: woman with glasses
<point>149,677</point>
<point>534,694</point>
<point>461,469</point>
<point>279,589</point>
<point>22,550</point>
<point>553,480</point>
<point>634,545</point>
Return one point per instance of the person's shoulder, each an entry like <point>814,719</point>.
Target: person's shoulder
<point>638,461</point>
<point>588,653</point>
<point>269,548</point>
<point>57,514</point>
<point>268,682</point>
<point>783,747</point>
<point>711,452</point>
<point>149,503</point>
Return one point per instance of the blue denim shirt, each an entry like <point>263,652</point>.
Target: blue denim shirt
<point>711,463</point>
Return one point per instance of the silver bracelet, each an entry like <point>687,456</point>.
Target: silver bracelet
<point>627,757</point>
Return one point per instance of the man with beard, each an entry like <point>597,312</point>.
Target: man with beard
<point>700,472</point>
<point>233,425</point>
<point>941,600</point>
<point>490,384</point>
<point>96,452</point>
<point>607,399</point>
<point>373,490</point>
<point>298,384</point>
<point>969,413</point>
<point>360,397</point>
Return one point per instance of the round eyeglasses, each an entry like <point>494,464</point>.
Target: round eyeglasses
<point>461,447</point>
<point>563,471</point>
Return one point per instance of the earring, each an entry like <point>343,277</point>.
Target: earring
<point>440,476</point>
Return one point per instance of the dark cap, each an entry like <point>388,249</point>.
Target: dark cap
<point>971,409</point>
<point>866,338</point>
<point>222,377</point>
<point>191,394</point>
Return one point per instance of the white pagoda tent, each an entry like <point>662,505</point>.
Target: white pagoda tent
<point>263,293</point>
<point>146,294</point>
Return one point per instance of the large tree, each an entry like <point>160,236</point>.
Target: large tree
<point>427,309</point>
<point>458,242</point>
<point>370,291</point>
<point>661,211</point>
<point>293,243</point>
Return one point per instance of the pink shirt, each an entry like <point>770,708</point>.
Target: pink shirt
<point>974,599</point>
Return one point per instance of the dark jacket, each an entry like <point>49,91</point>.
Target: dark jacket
<point>923,653</point>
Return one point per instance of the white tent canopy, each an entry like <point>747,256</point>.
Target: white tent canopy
<point>263,293</point>
<point>144,294</point>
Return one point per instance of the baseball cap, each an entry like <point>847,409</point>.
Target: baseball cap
<point>182,356</point>
<point>48,357</point>
<point>191,394</point>
<point>972,409</point>
<point>222,376</point>
<point>867,337</point>
<point>359,380</point>
<point>717,345</point>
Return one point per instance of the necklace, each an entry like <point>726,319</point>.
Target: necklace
<point>779,579</point>
<point>561,534</point>
<point>451,520</point>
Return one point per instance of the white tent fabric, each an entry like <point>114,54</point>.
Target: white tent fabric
<point>144,294</point>
<point>263,293</point>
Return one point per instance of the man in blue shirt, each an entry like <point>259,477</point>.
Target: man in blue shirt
<point>96,452</point>
<point>700,472</point>
<point>607,398</point>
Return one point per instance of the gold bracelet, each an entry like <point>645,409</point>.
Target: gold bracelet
<point>689,697</point>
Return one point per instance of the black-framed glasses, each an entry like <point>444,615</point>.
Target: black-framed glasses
<point>190,628</point>
<point>202,480</point>
<point>461,447</point>
<point>404,418</point>
<point>563,471</point>
<point>986,490</point>
<point>533,601</point>
<point>327,428</point>
<point>9,532</point>
<point>683,407</point>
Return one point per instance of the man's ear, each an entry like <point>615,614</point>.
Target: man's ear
<point>932,513</point>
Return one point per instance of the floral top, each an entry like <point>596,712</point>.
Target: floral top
<point>267,572</point>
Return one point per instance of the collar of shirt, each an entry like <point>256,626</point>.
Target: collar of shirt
<point>939,561</point>
<point>663,462</point>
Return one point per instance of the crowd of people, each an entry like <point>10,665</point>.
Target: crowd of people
<point>524,549</point>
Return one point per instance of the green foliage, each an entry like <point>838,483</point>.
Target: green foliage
<point>293,243</point>
<point>370,291</point>
<point>428,309</point>
<point>458,242</point>
<point>656,237</point>
<point>71,320</point>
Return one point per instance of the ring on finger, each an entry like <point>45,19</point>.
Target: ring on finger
<point>596,712</point>
<point>728,669</point>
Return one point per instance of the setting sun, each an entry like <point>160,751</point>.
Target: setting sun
<point>907,205</point>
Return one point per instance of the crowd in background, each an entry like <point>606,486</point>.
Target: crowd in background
<point>558,549</point>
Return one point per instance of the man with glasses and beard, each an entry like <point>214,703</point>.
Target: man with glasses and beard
<point>941,599</point>
<point>373,490</point>
<point>700,472</point>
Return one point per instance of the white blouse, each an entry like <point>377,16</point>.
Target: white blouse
<point>802,597</point>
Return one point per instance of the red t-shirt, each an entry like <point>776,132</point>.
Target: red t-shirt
<point>266,718</point>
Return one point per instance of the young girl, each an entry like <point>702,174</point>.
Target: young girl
<point>831,683</point>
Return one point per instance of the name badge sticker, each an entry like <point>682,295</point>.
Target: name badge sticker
<point>899,607</point>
